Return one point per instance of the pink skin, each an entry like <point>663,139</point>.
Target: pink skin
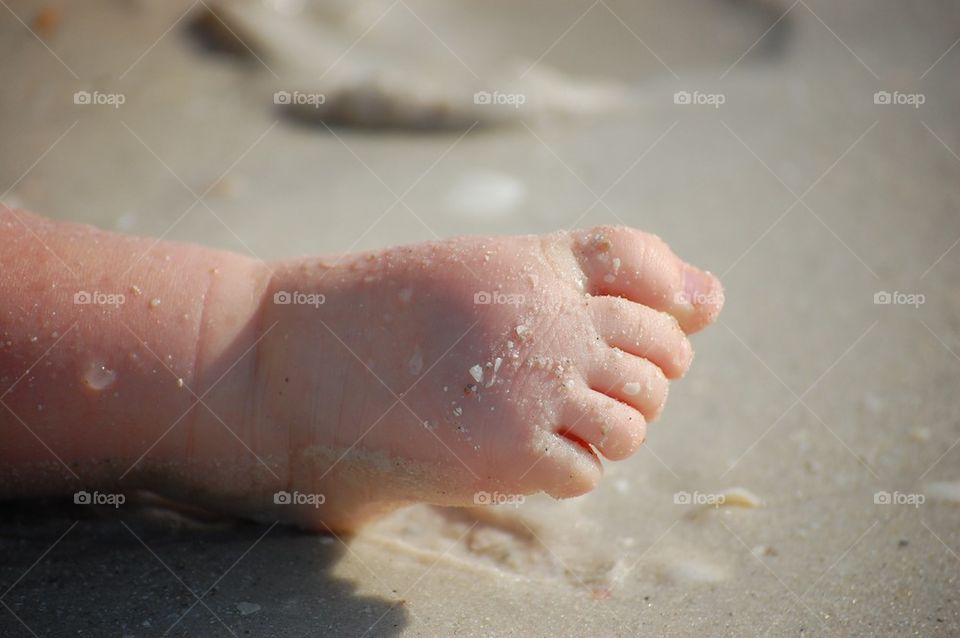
<point>422,373</point>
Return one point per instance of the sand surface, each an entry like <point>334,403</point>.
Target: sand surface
<point>807,403</point>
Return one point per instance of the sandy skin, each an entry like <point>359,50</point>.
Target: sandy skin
<point>326,392</point>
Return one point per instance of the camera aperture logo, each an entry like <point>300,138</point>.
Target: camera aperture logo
<point>98,298</point>
<point>497,298</point>
<point>297,298</point>
<point>97,98</point>
<point>99,498</point>
<point>896,298</point>
<point>298,498</point>
<point>698,98</point>
<point>896,98</point>
<point>498,498</point>
<point>299,98</point>
<point>898,498</point>
<point>698,498</point>
<point>516,100</point>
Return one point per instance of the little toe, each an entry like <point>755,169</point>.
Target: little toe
<point>628,263</point>
<point>614,428</point>
<point>644,332</point>
<point>564,466</point>
<point>633,380</point>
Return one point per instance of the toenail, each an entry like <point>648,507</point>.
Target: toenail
<point>697,286</point>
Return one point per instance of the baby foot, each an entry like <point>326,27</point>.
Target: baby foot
<point>445,370</point>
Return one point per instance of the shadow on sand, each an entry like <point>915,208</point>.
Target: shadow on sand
<point>65,571</point>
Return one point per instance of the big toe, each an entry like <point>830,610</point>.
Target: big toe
<point>625,262</point>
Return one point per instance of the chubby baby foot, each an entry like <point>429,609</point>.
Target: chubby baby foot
<point>438,371</point>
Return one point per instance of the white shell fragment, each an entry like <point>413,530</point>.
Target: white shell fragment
<point>739,497</point>
<point>477,373</point>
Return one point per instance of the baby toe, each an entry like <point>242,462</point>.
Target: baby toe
<point>614,428</point>
<point>628,263</point>
<point>644,332</point>
<point>630,379</point>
